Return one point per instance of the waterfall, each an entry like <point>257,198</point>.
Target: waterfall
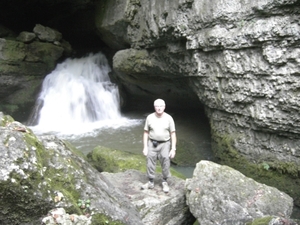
<point>76,97</point>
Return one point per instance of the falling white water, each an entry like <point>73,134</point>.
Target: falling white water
<point>78,97</point>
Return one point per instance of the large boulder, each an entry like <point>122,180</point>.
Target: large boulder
<point>38,174</point>
<point>218,194</point>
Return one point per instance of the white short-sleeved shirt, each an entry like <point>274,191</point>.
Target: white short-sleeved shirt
<point>159,128</point>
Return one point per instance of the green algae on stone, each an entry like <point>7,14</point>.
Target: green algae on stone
<point>113,161</point>
<point>12,50</point>
<point>101,219</point>
<point>282,175</point>
<point>18,192</point>
<point>21,203</point>
<point>5,119</point>
<point>57,179</point>
<point>260,221</point>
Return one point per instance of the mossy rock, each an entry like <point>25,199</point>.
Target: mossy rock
<point>114,161</point>
<point>261,221</point>
<point>99,219</point>
<point>271,220</point>
<point>5,119</point>
<point>282,175</point>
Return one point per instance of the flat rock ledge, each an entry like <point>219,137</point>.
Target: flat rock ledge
<point>155,206</point>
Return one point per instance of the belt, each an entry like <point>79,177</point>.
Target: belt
<point>159,141</point>
<point>156,143</point>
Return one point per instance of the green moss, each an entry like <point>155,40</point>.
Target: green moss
<point>58,179</point>
<point>282,175</point>
<point>101,219</point>
<point>113,161</point>
<point>5,120</point>
<point>20,203</point>
<point>261,221</point>
<point>13,50</point>
<point>108,160</point>
<point>289,168</point>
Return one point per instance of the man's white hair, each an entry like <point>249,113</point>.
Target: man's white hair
<point>159,102</point>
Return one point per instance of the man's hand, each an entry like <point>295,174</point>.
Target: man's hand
<point>172,153</point>
<point>145,151</point>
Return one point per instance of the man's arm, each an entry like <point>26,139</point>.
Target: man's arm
<point>173,142</point>
<point>145,142</point>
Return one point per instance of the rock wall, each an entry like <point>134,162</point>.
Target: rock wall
<point>240,58</point>
<point>25,59</point>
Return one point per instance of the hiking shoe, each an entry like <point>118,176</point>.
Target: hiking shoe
<point>148,185</point>
<point>165,187</point>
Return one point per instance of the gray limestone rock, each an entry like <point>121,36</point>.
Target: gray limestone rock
<point>46,33</point>
<point>221,195</point>
<point>26,37</point>
<point>38,174</point>
<point>155,206</point>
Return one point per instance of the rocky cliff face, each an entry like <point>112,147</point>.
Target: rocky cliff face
<point>24,60</point>
<point>240,58</point>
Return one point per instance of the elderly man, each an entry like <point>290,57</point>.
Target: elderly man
<point>159,141</point>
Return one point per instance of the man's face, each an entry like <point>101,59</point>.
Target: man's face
<point>159,109</point>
